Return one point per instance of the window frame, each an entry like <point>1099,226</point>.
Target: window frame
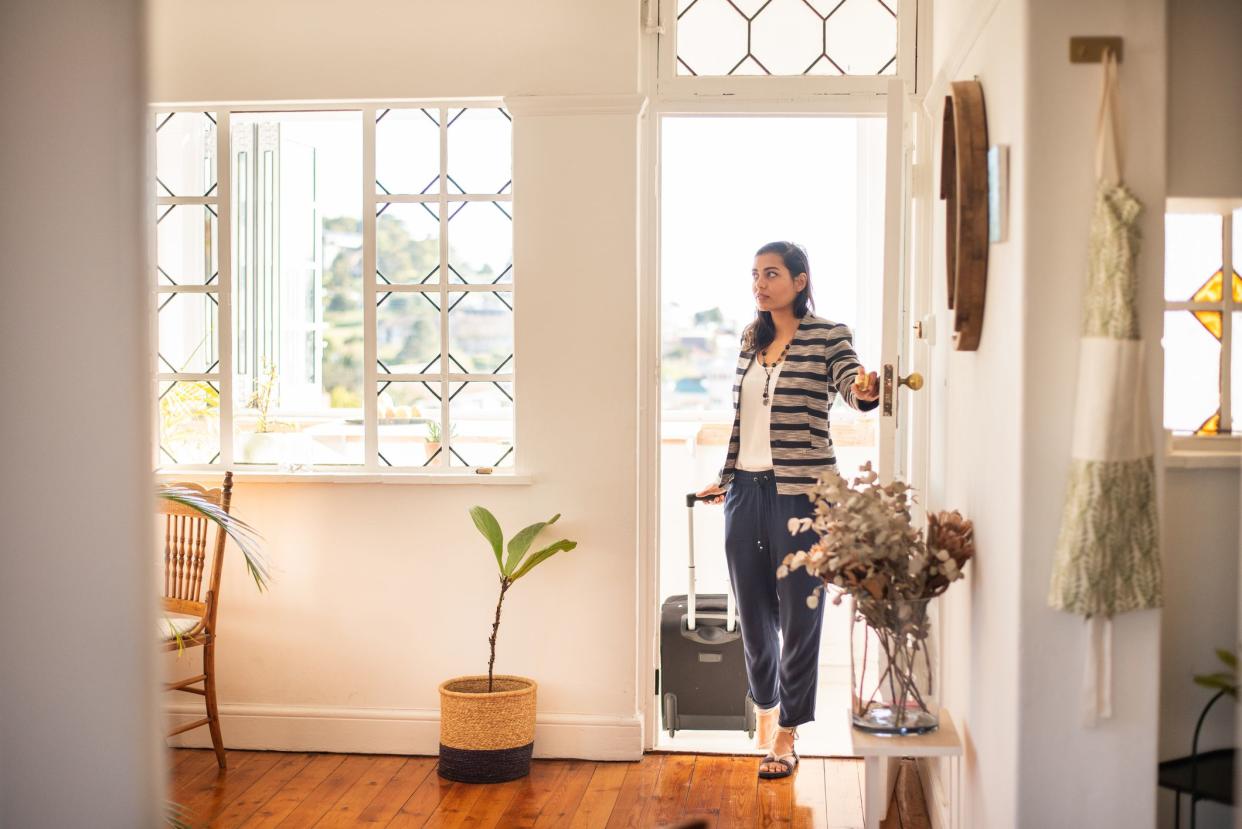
<point>372,469</point>
<point>671,85</point>
<point>1190,450</point>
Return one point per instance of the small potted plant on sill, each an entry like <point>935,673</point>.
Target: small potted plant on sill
<point>434,439</point>
<point>262,446</point>
<point>487,722</point>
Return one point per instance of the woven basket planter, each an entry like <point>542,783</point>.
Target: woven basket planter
<point>486,737</point>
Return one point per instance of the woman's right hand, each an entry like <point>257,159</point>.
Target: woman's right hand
<point>711,494</point>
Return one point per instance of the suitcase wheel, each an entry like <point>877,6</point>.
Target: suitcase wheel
<point>670,714</point>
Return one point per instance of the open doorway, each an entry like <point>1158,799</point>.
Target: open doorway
<point>728,185</point>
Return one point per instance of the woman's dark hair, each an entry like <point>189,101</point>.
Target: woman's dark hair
<point>761,331</point>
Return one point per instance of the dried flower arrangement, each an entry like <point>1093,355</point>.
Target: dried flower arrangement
<point>868,551</point>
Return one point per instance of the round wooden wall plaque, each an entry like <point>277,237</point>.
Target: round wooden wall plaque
<point>964,187</point>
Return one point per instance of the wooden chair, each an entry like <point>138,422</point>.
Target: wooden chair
<point>185,561</point>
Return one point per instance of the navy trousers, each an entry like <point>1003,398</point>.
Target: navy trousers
<point>757,538</point>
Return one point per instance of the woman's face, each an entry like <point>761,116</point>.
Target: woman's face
<point>773,286</point>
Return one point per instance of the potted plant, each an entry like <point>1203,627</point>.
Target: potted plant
<point>868,551</point>
<point>487,721</point>
<point>262,445</point>
<point>434,439</point>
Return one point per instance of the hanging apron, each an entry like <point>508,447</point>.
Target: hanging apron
<point>1107,556</point>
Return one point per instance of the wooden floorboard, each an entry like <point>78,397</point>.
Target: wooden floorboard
<point>280,805</point>
<point>289,789</point>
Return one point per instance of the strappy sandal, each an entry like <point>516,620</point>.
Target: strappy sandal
<point>783,759</point>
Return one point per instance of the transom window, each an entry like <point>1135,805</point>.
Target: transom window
<point>767,47</point>
<point>1203,312</point>
<point>786,37</point>
<point>368,326</point>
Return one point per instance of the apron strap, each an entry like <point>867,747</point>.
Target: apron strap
<point>1097,687</point>
<point>1108,148</point>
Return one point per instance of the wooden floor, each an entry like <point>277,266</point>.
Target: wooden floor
<point>270,788</point>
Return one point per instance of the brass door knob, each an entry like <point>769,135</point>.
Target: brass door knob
<point>914,381</point>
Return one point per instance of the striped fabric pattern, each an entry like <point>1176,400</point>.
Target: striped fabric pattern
<point>819,365</point>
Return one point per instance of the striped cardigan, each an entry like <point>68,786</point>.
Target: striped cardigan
<point>819,365</point>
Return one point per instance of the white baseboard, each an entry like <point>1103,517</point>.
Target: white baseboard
<point>394,731</point>
<point>935,793</point>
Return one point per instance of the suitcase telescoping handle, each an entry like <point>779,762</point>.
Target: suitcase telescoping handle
<point>731,616</point>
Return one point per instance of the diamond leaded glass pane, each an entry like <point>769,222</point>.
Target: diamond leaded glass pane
<point>481,332</point>
<point>409,424</point>
<point>786,37</point>
<point>1235,374</point>
<point>1191,372</point>
<point>480,141</point>
<point>188,339</point>
<point>482,416</point>
<point>185,244</point>
<point>1192,251</point>
<point>480,236</point>
<point>189,414</point>
<point>408,332</point>
<point>407,244</point>
<point>185,153</point>
<point>407,151</point>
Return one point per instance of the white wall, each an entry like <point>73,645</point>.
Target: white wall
<point>234,50</point>
<point>79,744</point>
<point>383,591</point>
<point>1071,775</point>
<point>1204,78</point>
<point>976,411</point>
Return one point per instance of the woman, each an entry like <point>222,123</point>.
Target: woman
<point>791,367</point>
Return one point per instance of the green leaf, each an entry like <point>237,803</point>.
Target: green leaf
<point>1228,657</point>
<point>246,537</point>
<point>1219,676</point>
<point>490,527</point>
<point>545,553</point>
<point>520,543</point>
<point>1218,682</point>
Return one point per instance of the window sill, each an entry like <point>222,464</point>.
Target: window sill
<point>257,476</point>
<point>1203,452</point>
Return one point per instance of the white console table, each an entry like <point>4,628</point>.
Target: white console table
<point>883,753</point>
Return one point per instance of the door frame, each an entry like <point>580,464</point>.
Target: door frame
<point>910,459</point>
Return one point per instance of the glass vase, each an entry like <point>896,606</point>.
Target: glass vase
<point>890,667</point>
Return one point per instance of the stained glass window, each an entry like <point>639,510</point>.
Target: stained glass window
<point>1200,323</point>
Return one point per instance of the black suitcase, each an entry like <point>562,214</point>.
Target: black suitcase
<point>702,677</point>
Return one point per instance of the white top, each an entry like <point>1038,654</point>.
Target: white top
<point>755,452</point>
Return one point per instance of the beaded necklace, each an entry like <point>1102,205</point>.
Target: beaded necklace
<point>768,370</point>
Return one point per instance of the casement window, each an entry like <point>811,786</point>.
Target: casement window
<point>334,288</point>
<point>1203,312</point>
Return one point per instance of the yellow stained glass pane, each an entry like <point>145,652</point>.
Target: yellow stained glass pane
<point>1210,320</point>
<point>1211,291</point>
<point>1211,426</point>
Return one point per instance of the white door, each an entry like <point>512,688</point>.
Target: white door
<point>894,386</point>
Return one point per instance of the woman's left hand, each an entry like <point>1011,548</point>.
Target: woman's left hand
<point>866,385</point>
